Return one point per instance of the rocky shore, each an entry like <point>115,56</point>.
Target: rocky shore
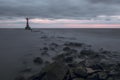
<point>62,59</point>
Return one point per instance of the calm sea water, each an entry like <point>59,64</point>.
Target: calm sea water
<point>14,43</point>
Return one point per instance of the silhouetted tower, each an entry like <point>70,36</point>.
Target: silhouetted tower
<point>27,25</point>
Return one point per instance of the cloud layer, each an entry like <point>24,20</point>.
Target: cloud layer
<point>106,1</point>
<point>59,12</point>
<point>58,9</point>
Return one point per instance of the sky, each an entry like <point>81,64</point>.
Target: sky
<point>60,13</point>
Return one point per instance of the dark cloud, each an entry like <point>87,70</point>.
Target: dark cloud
<point>106,1</point>
<point>58,9</point>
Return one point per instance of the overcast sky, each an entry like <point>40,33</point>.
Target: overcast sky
<point>60,13</point>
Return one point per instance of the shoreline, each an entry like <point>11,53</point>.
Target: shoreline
<point>24,46</point>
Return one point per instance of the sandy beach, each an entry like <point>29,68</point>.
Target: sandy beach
<point>25,53</point>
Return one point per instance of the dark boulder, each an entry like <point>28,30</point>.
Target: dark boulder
<point>54,71</point>
<point>66,49</point>
<point>96,67</point>
<point>68,59</point>
<point>45,48</point>
<point>93,77</point>
<point>110,78</point>
<point>88,53</point>
<point>60,57</point>
<point>72,65</point>
<point>79,79</point>
<point>38,60</point>
<point>64,57</point>
<point>80,71</point>
<point>103,75</point>
<point>74,44</point>
<point>54,45</point>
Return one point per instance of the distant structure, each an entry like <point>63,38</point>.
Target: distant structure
<point>27,25</point>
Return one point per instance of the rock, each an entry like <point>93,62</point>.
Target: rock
<point>66,49</point>
<point>97,55</point>
<point>99,75</point>
<point>110,78</point>
<point>107,66</point>
<point>90,70</point>
<point>79,79</point>
<point>68,59</point>
<point>75,44</point>
<point>80,72</point>
<point>117,67</point>
<point>51,48</point>
<point>38,60</point>
<point>72,65</point>
<point>106,52</point>
<point>96,67</point>
<point>45,48</point>
<point>87,53</point>
<point>60,57</point>
<point>54,71</point>
<point>102,75</point>
<point>93,77</point>
<point>63,57</point>
<point>54,44</point>
<point>68,54</point>
<point>73,51</point>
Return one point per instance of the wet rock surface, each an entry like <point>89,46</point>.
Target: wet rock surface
<point>54,71</point>
<point>38,60</point>
<point>65,66</point>
<point>74,44</point>
<point>73,61</point>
